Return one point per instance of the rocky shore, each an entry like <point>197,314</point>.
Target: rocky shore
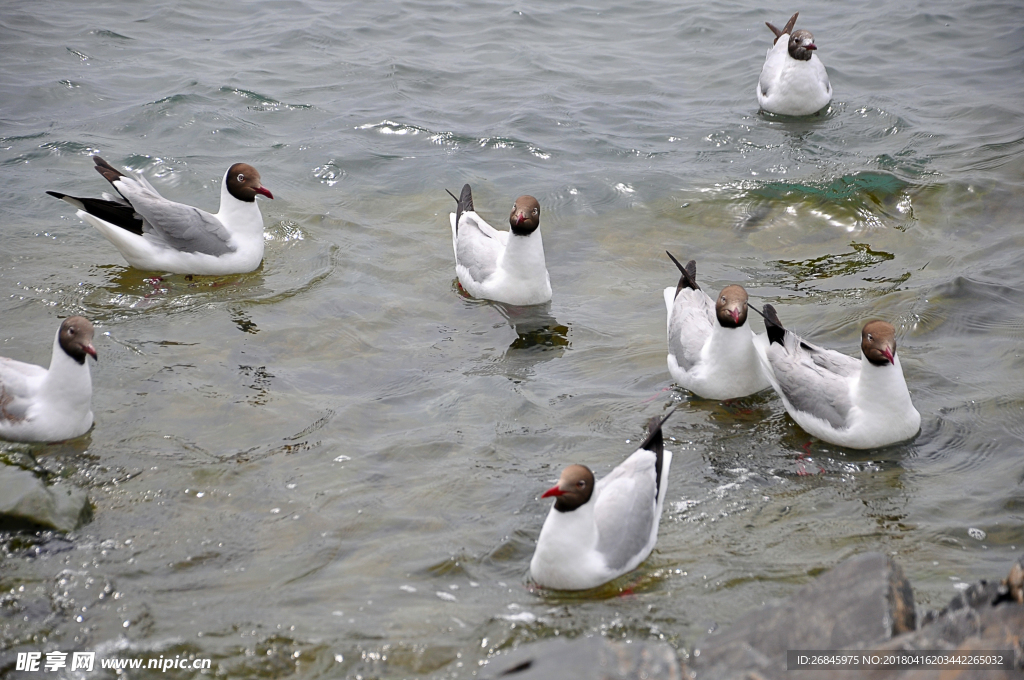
<point>26,502</point>
<point>865,605</point>
<point>862,609</point>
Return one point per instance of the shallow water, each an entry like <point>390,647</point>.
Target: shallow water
<point>330,467</point>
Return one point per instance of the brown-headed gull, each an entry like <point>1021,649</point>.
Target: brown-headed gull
<point>596,532</point>
<point>156,234</point>
<point>793,80</point>
<point>49,405</point>
<point>505,266</point>
<point>710,345</point>
<point>857,403</point>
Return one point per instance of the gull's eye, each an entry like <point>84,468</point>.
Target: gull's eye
<point>241,177</point>
<point>535,211</point>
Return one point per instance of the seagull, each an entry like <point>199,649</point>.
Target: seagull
<point>793,80</point>
<point>859,404</point>
<point>710,345</point>
<point>505,266</point>
<point>49,405</point>
<point>597,532</point>
<point>156,234</point>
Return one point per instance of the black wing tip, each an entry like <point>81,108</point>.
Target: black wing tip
<point>791,23</point>
<point>121,215</point>
<point>655,441</point>
<point>776,331</point>
<point>466,199</point>
<point>688,278</point>
<point>109,172</point>
<point>788,28</point>
<point>464,203</point>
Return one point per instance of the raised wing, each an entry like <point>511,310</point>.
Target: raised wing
<point>179,226</point>
<point>813,379</point>
<point>690,324</point>
<point>625,509</point>
<point>831,360</point>
<point>478,246</point>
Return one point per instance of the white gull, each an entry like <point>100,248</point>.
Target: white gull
<point>596,532</point>
<point>793,80</point>
<point>505,266</point>
<point>155,234</point>
<point>710,344</point>
<point>859,404</point>
<point>46,405</point>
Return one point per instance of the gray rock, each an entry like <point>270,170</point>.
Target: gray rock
<point>864,604</point>
<point>986,616</point>
<point>591,658</point>
<point>865,599</point>
<point>27,503</point>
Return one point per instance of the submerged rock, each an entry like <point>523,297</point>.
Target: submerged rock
<point>986,617</point>
<point>865,604</point>
<point>27,503</point>
<point>593,658</point>
<point>865,599</point>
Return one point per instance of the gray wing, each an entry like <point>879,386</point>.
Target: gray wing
<point>693,314</point>
<point>478,247</point>
<point>14,388</point>
<point>625,510</point>
<point>177,225</point>
<point>813,379</point>
<point>830,360</point>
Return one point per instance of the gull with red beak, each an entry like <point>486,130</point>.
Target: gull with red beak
<point>598,531</point>
<point>505,266</point>
<point>48,405</point>
<point>793,80</point>
<point>710,345</point>
<point>155,234</point>
<point>859,404</point>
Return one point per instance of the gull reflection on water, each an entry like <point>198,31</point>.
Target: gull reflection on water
<point>536,329</point>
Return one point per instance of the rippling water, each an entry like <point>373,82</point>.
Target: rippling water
<point>330,467</point>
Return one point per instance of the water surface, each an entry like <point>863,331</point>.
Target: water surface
<point>330,467</point>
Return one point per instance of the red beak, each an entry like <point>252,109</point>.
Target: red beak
<point>520,218</point>
<point>888,355</point>
<point>812,46</point>
<point>735,314</point>
<point>553,491</point>
<point>265,192</point>
<point>91,351</point>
